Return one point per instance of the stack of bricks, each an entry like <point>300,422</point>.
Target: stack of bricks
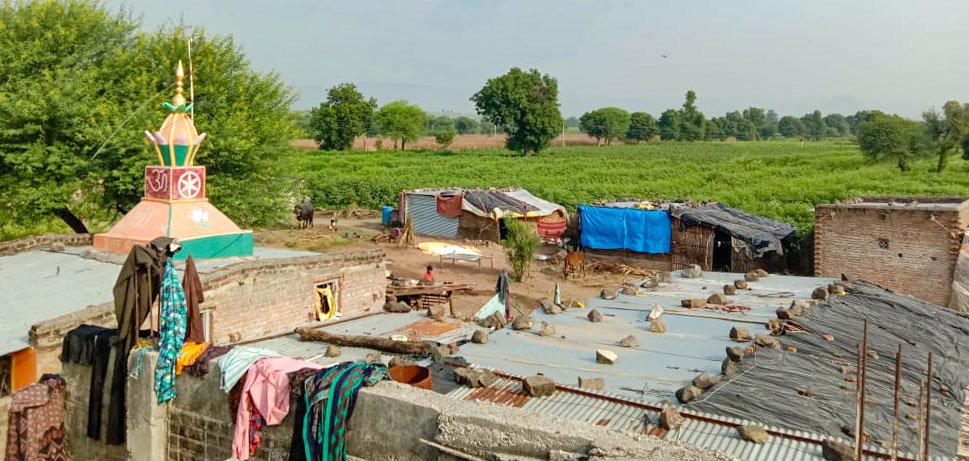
<point>908,249</point>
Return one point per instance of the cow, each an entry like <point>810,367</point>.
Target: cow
<point>304,213</point>
<point>574,262</point>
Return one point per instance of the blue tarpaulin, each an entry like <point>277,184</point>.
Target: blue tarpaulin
<point>642,231</point>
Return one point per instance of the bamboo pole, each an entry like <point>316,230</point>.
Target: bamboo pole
<point>921,427</point>
<point>898,379</point>
<point>862,384</point>
<point>858,402</point>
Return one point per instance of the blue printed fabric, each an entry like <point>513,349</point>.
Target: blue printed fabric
<point>642,231</point>
<point>174,313</point>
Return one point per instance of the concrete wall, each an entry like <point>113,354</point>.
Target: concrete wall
<point>248,300</point>
<point>908,250</point>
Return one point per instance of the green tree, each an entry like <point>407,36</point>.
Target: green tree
<point>608,124</point>
<point>946,130</point>
<point>520,243</point>
<point>434,124</point>
<point>486,127</point>
<point>735,124</point>
<point>813,126</point>
<point>572,124</point>
<point>854,121</point>
<point>465,125</point>
<point>344,115</point>
<point>769,129</point>
<point>525,104</point>
<point>642,127</point>
<point>401,121</point>
<point>669,125</point>
<point>692,121</point>
<point>790,126</point>
<point>965,147</point>
<point>884,137</point>
<point>838,123</point>
<point>445,136</point>
<point>80,84</point>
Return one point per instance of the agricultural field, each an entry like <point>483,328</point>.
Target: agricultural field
<point>780,179</point>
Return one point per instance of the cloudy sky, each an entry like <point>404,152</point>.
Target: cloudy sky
<point>794,56</point>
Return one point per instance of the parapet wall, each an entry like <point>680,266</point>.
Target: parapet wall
<point>46,241</point>
<point>388,423</point>
<point>248,300</point>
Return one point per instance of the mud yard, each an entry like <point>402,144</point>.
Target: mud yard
<point>410,262</point>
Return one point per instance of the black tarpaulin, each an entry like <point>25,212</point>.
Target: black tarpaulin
<point>761,234</point>
<point>811,390</point>
<point>488,200</point>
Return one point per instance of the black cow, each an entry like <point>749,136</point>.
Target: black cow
<point>304,213</point>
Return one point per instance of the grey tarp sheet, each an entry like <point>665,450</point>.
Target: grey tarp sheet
<point>761,234</point>
<point>765,389</point>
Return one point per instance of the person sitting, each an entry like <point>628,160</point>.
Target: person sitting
<point>428,277</point>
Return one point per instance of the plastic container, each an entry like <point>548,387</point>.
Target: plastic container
<point>385,214</point>
<point>415,375</point>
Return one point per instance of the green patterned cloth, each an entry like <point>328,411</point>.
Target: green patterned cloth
<point>173,319</point>
<point>329,398</point>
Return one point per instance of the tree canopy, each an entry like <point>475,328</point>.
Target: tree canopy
<point>692,122</point>
<point>465,125</point>
<point>401,121</point>
<point>79,85</point>
<point>642,127</point>
<point>946,130</point>
<point>525,105</point>
<point>669,125</point>
<point>344,115</point>
<point>889,137</point>
<point>607,124</point>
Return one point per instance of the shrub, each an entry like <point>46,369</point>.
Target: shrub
<point>521,241</point>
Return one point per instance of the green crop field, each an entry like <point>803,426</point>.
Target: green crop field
<point>780,179</point>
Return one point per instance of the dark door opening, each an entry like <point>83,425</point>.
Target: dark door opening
<point>721,251</point>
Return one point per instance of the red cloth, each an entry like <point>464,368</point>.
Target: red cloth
<point>449,207</point>
<point>549,230</point>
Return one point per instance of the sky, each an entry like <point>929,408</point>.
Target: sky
<point>793,56</point>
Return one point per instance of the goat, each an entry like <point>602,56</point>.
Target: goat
<point>574,262</point>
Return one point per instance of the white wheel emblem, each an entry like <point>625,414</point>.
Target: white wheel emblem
<point>189,184</point>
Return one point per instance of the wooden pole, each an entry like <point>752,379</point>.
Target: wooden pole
<point>898,380</point>
<point>928,408</point>
<point>369,342</point>
<point>921,427</point>
<point>862,382</point>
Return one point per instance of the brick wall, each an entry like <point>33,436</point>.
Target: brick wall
<point>43,241</point>
<point>252,298</point>
<point>903,249</point>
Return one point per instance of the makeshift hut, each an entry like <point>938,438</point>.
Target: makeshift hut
<point>675,235</point>
<point>476,214</point>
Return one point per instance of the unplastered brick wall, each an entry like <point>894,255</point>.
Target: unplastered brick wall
<point>907,249</point>
<point>251,298</point>
<point>46,241</point>
<point>274,296</point>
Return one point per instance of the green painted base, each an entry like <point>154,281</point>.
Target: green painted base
<point>217,246</point>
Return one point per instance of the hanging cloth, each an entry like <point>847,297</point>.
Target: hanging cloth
<point>236,363</point>
<point>264,401</point>
<point>36,425</point>
<point>189,355</point>
<point>329,398</point>
<point>449,207</point>
<point>90,345</point>
<point>173,319</point>
<point>502,288</point>
<point>138,284</point>
<point>192,286</point>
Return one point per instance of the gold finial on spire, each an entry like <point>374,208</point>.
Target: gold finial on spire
<point>179,99</point>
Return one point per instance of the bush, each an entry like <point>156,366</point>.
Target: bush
<point>445,136</point>
<point>521,241</point>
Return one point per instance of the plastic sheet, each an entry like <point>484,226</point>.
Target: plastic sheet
<point>761,234</point>
<point>625,229</point>
<point>767,385</point>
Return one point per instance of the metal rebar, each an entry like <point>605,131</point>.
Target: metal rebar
<point>921,452</point>
<point>898,380</point>
<point>858,401</point>
<point>862,384</point>
<point>928,407</point>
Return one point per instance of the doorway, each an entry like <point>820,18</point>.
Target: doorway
<point>722,247</point>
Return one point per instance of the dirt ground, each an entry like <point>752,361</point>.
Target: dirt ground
<point>411,262</point>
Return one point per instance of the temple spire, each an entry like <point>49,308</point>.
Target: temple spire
<point>179,98</point>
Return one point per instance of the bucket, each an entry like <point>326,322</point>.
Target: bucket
<point>385,214</point>
<point>415,375</point>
